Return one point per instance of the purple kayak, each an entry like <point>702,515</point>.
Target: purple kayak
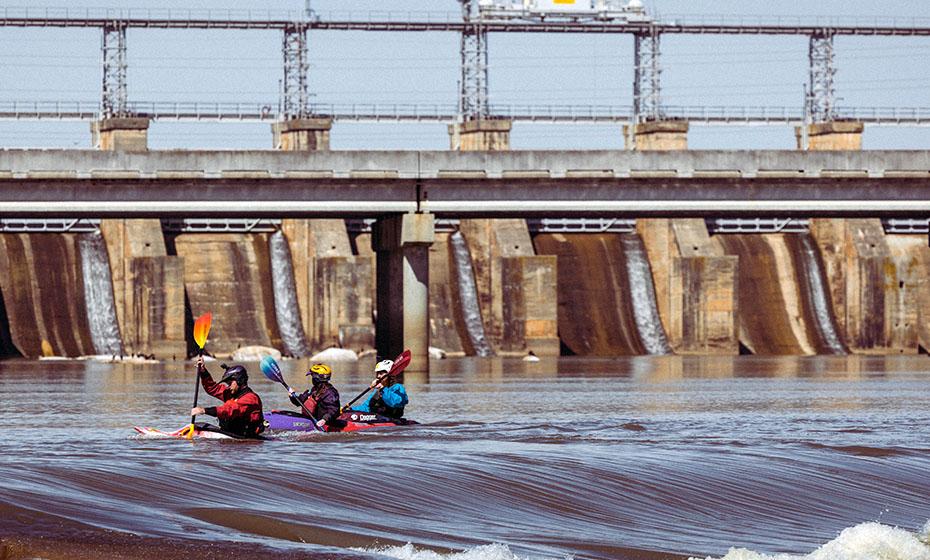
<point>349,421</point>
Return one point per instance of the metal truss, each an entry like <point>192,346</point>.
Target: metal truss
<point>900,226</point>
<point>581,225</point>
<point>113,102</point>
<point>647,89</point>
<point>822,87</point>
<point>228,225</point>
<point>51,225</point>
<point>473,85</point>
<point>295,93</point>
<point>757,225</point>
<point>906,225</point>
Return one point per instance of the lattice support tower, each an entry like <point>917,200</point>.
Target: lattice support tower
<point>647,87</point>
<point>473,94</point>
<point>295,90</point>
<point>113,102</point>
<point>822,87</point>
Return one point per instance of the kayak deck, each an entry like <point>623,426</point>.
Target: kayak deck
<point>201,431</point>
<point>349,421</point>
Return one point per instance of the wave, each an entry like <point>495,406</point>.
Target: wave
<point>484,552</point>
<point>866,541</point>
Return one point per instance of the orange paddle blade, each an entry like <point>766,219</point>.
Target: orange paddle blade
<point>202,328</point>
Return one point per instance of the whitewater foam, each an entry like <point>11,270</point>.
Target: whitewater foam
<point>866,541</point>
<point>483,552</point>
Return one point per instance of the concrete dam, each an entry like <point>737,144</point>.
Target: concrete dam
<point>843,286</point>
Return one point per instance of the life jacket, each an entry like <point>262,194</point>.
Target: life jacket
<point>377,406</point>
<point>248,425</point>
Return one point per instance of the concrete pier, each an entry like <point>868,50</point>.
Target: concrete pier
<point>447,327</point>
<point>333,293</point>
<point>302,135</point>
<point>657,136</point>
<point>486,135</point>
<point>695,282</point>
<point>696,286</point>
<point>875,300</point>
<point>402,245</point>
<point>148,288</point>
<point>125,134</point>
<point>837,135</point>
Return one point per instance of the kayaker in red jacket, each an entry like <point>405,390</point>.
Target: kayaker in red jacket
<point>241,411</point>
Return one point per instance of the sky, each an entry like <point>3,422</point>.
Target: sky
<point>535,69</point>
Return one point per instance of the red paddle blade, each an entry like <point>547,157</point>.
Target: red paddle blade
<point>401,363</point>
<point>202,328</point>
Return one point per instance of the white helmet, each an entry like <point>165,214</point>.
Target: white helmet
<point>384,366</point>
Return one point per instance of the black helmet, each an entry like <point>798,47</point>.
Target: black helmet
<point>235,373</point>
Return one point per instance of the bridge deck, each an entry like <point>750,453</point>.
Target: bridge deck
<point>86,183</point>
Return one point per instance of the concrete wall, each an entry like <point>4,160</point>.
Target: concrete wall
<point>447,326</point>
<point>335,288</point>
<point>43,294</point>
<point>696,286</point>
<point>148,288</point>
<point>230,275</point>
<point>776,315</point>
<point>595,317</point>
<point>874,284</point>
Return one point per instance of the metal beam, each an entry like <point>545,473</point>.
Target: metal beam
<point>647,88</point>
<point>113,102</point>
<point>821,86</point>
<point>473,84</point>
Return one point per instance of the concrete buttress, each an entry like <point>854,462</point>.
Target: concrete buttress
<point>501,251</point>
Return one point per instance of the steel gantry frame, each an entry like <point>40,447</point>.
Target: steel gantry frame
<point>820,102</point>
<point>295,88</point>
<point>114,97</point>
<point>473,84</point>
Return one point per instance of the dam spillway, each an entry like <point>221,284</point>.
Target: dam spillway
<point>800,293</point>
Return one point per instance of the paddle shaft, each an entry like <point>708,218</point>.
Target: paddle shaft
<point>196,388</point>
<point>302,405</point>
<point>365,392</point>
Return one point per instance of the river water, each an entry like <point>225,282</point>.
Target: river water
<point>638,458</point>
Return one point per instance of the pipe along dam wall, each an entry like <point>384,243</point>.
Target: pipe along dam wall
<point>670,287</point>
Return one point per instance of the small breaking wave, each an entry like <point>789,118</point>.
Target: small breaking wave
<point>866,541</point>
<point>483,552</point>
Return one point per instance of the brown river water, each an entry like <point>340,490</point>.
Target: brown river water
<point>639,458</point>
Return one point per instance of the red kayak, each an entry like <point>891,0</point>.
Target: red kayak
<point>349,421</point>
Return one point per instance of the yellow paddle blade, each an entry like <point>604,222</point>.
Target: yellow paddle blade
<point>202,328</point>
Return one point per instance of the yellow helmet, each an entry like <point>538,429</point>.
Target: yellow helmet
<point>320,372</point>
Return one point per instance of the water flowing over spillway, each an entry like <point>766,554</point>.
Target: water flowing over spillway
<point>468,295</point>
<point>98,295</point>
<point>286,307</point>
<point>819,298</point>
<point>642,294</point>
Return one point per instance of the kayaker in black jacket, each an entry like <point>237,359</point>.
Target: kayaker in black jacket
<point>322,399</point>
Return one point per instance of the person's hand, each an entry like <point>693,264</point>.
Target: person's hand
<point>197,410</point>
<point>374,383</point>
<point>201,367</point>
<point>320,423</point>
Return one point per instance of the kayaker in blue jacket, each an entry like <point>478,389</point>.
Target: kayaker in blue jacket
<point>389,397</point>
